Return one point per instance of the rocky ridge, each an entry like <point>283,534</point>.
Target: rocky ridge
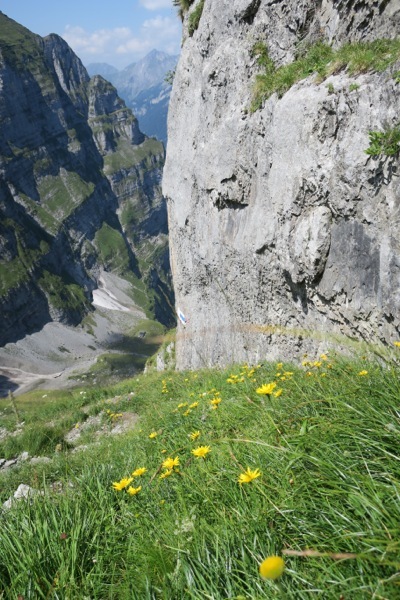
<point>79,187</point>
<point>283,231</point>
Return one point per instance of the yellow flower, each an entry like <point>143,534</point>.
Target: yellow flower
<point>278,393</point>
<point>166,474</point>
<point>193,436</point>
<point>139,471</point>
<point>187,413</point>
<point>279,366</point>
<point>272,567</point>
<point>132,491</point>
<point>397,344</point>
<point>194,405</point>
<point>215,402</point>
<point>249,475</point>
<point>323,357</point>
<point>201,451</point>
<point>120,485</point>
<point>362,373</point>
<point>170,463</point>
<point>266,388</point>
<point>182,404</point>
<point>317,363</point>
<point>153,435</point>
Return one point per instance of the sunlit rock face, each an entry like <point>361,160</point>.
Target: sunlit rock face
<point>283,231</point>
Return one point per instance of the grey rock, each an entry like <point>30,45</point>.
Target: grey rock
<point>23,457</point>
<point>40,460</point>
<point>12,462</point>
<point>22,492</point>
<point>283,232</point>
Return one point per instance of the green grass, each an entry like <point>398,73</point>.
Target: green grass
<point>127,156</point>
<point>194,17</point>
<point>62,294</point>
<point>327,449</point>
<point>112,248</point>
<point>18,270</point>
<point>61,194</point>
<point>322,60</point>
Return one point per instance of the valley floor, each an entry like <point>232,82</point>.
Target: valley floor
<point>58,355</point>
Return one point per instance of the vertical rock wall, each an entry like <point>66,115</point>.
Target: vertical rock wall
<point>283,232</point>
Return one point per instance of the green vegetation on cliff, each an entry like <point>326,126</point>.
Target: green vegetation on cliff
<point>63,294</point>
<point>322,60</point>
<point>127,156</point>
<point>62,194</point>
<point>221,470</point>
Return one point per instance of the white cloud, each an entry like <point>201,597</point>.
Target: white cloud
<point>120,46</point>
<point>156,4</point>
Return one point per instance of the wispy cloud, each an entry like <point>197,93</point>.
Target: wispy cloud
<point>120,45</point>
<point>156,4</point>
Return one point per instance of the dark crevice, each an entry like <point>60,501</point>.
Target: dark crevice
<point>226,203</point>
<point>298,291</point>
<point>247,16</point>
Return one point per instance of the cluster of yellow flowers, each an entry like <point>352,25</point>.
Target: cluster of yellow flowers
<point>124,483</point>
<point>315,365</point>
<point>112,415</point>
<point>169,465</point>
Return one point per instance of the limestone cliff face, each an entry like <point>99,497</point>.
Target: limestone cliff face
<point>79,183</point>
<point>283,231</point>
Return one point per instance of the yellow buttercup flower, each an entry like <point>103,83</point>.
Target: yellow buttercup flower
<point>266,388</point>
<point>249,475</point>
<point>133,491</point>
<point>139,471</point>
<point>278,393</point>
<point>122,484</point>
<point>272,567</point>
<point>153,435</point>
<point>215,402</point>
<point>194,405</point>
<point>166,474</point>
<point>397,344</point>
<point>193,436</point>
<point>170,463</point>
<point>362,373</point>
<point>201,451</point>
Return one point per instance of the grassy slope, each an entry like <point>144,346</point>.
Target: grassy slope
<point>327,449</point>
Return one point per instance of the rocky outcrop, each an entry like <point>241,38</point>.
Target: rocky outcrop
<point>283,231</point>
<point>79,184</point>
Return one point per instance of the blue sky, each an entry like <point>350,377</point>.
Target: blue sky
<point>118,33</point>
